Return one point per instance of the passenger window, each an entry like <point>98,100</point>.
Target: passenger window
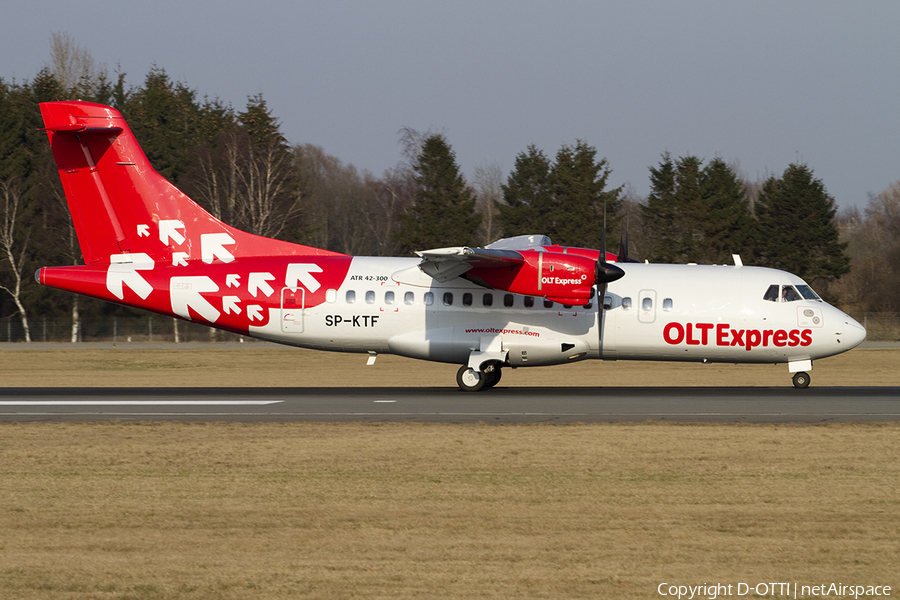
<point>389,297</point>
<point>771,294</point>
<point>488,300</point>
<point>370,297</point>
<point>529,301</point>
<point>467,299</point>
<point>351,296</point>
<point>548,303</point>
<point>507,300</point>
<point>789,294</point>
<point>626,303</point>
<point>448,299</point>
<point>647,304</point>
<point>331,296</point>
<point>409,298</point>
<point>567,306</point>
<point>607,302</point>
<point>429,298</point>
<point>667,304</point>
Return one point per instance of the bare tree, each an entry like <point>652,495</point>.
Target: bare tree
<point>72,65</point>
<point>632,234</point>
<point>411,141</point>
<point>488,182</point>
<point>352,213</point>
<point>873,239</point>
<point>247,185</point>
<point>14,246</point>
<point>392,194</point>
<point>64,230</point>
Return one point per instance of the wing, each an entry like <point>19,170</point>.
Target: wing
<point>444,264</point>
<point>526,265</point>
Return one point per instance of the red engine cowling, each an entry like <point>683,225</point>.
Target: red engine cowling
<point>589,252</point>
<point>564,278</point>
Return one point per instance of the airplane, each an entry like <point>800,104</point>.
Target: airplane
<point>519,302</point>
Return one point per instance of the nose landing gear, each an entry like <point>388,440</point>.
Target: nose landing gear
<point>801,380</point>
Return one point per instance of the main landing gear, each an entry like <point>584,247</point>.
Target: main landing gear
<point>801,380</point>
<point>470,380</point>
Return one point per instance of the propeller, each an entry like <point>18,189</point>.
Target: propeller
<point>607,273</point>
<point>623,247</point>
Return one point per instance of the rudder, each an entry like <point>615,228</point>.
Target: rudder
<point>120,205</point>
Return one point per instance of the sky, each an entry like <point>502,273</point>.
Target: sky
<point>760,84</point>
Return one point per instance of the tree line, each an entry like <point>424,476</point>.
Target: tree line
<point>238,165</point>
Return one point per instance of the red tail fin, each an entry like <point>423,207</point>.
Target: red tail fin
<point>121,205</point>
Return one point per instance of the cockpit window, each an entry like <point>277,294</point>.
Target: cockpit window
<point>807,292</point>
<point>771,294</point>
<point>789,294</point>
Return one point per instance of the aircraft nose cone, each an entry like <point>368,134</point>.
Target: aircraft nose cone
<point>852,333</point>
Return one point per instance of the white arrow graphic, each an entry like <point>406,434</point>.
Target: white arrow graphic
<point>230,305</point>
<point>233,280</point>
<point>185,292</point>
<point>143,230</point>
<point>179,259</point>
<point>254,311</point>
<point>301,272</point>
<point>211,247</point>
<point>123,270</point>
<point>257,282</point>
<point>168,229</point>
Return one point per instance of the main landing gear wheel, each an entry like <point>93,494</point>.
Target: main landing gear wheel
<point>492,372</point>
<point>470,380</point>
<point>801,380</point>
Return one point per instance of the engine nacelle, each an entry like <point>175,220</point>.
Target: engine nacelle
<point>564,278</point>
<point>589,252</point>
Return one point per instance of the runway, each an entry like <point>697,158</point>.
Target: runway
<point>449,405</point>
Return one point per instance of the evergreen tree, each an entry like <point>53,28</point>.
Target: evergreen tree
<point>444,211</point>
<point>695,213</point>
<point>565,200</point>
<point>673,188</point>
<point>262,126</point>
<point>796,227</point>
<point>25,239</point>
<point>659,211</point>
<point>527,195</point>
<point>164,117</point>
<point>727,226</point>
<point>582,207</point>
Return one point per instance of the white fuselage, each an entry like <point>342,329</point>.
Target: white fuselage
<point>654,312</point>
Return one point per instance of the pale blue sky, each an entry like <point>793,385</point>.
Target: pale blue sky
<point>762,83</point>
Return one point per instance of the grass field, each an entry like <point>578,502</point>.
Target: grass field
<point>263,364</point>
<point>434,511</point>
<point>276,511</point>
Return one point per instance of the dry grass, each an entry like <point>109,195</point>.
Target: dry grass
<point>179,511</point>
<point>261,364</point>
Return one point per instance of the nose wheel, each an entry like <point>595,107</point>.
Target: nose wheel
<point>801,380</point>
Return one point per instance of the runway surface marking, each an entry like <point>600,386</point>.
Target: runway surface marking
<point>138,402</point>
